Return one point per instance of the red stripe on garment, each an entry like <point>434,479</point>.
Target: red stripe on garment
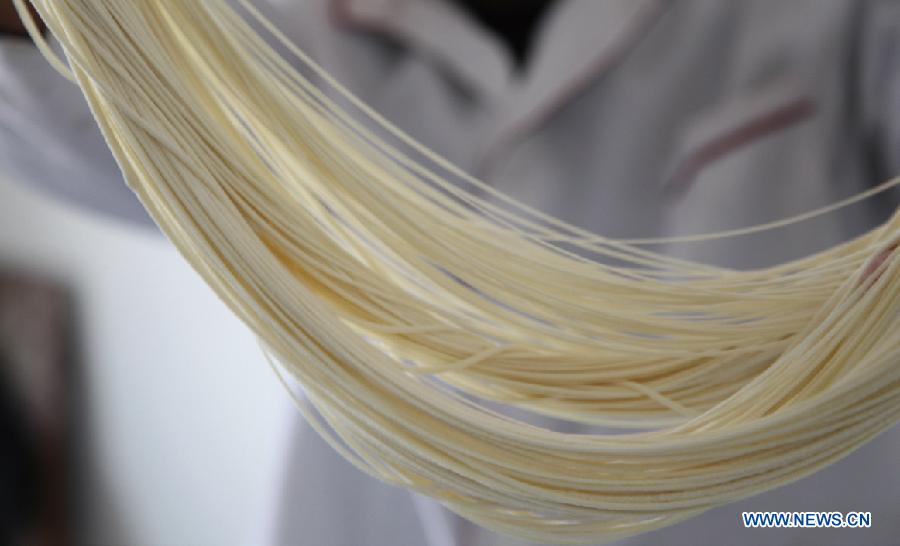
<point>761,126</point>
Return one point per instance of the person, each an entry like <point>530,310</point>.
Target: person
<point>630,118</point>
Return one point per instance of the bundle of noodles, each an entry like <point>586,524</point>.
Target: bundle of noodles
<point>396,298</point>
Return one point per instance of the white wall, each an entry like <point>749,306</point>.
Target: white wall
<point>185,421</point>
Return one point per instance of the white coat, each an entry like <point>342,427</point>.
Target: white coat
<point>631,118</point>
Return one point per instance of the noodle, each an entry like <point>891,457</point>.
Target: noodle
<point>376,282</point>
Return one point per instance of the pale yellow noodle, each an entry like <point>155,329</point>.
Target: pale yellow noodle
<point>378,282</point>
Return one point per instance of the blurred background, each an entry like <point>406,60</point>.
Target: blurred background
<point>124,385</point>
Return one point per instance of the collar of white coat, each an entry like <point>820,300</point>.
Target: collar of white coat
<point>578,42</point>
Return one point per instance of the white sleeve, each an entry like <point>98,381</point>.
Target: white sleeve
<point>48,137</point>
